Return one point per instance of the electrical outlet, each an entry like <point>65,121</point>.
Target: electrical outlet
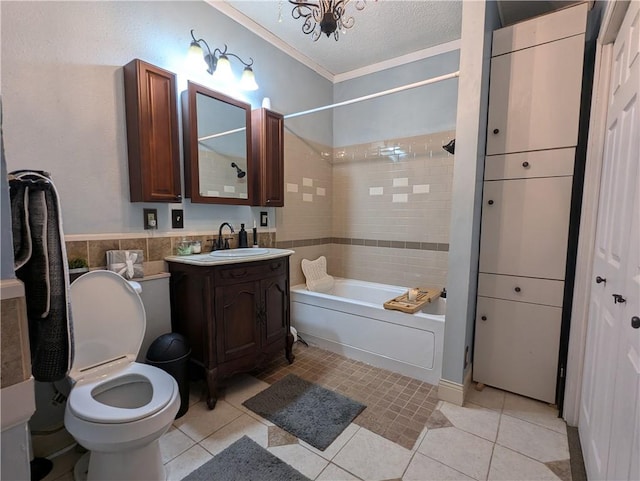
<point>150,218</point>
<point>264,219</point>
<point>177,218</point>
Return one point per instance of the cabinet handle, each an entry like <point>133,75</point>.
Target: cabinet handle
<point>618,299</point>
<point>179,197</point>
<point>525,164</point>
<point>275,267</point>
<point>490,202</point>
<point>496,131</point>
<point>635,322</point>
<point>517,289</point>
<point>600,280</point>
<point>484,318</point>
<point>237,275</point>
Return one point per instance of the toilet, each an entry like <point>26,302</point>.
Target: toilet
<point>117,408</point>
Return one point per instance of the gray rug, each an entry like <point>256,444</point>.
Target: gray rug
<point>245,460</point>
<point>308,411</point>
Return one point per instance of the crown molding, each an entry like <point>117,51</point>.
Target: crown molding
<point>266,35</point>
<point>397,61</point>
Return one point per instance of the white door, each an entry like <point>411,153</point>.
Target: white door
<point>609,419</point>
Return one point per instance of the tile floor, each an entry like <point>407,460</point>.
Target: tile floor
<point>495,436</point>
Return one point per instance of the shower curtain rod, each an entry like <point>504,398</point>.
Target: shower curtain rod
<point>378,94</point>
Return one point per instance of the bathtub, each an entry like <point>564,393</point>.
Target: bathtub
<point>351,321</point>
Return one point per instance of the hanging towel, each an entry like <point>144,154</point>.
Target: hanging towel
<point>41,264</point>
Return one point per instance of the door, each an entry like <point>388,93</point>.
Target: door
<point>275,291</point>
<point>609,423</point>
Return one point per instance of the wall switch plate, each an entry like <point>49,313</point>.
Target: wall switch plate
<point>150,218</point>
<point>264,219</point>
<point>177,218</point>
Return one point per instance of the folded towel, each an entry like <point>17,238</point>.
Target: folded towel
<point>126,263</point>
<point>316,275</point>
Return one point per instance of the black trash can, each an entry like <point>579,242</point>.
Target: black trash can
<point>170,352</point>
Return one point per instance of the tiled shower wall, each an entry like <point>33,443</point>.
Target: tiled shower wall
<point>384,214</point>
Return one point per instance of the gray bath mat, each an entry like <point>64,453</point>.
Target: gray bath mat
<point>245,460</point>
<point>308,411</point>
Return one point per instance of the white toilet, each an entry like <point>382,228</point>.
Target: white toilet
<point>117,408</point>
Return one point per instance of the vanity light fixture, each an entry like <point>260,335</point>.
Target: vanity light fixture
<point>218,64</point>
<point>324,16</point>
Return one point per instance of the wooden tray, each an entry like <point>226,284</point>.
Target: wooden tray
<point>402,303</point>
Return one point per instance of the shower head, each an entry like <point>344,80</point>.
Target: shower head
<point>241,173</point>
<point>450,147</point>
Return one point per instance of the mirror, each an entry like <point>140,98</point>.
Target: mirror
<point>217,147</point>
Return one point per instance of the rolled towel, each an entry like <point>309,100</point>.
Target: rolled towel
<point>316,275</point>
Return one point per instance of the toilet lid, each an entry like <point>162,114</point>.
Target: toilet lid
<point>108,320</point>
<point>84,405</point>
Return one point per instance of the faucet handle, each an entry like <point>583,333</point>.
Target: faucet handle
<point>226,243</point>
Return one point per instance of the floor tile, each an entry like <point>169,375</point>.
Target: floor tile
<point>473,419</point>
<point>372,457</point>
<point>336,445</point>
<point>64,463</point>
<point>489,397</point>
<point>336,473</point>
<point>240,388</point>
<point>459,450</point>
<point>279,437</point>
<point>188,461</point>
<point>423,468</point>
<point>244,425</point>
<point>534,411</point>
<point>532,440</point>
<point>200,421</point>
<point>300,458</point>
<point>173,443</point>
<point>506,465</point>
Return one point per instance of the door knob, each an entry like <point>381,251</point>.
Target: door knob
<point>490,202</point>
<point>496,131</point>
<point>618,299</point>
<point>600,280</point>
<point>635,322</point>
<point>484,318</point>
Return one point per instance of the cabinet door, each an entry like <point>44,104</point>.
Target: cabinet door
<point>268,147</point>
<point>237,331</point>
<point>516,347</point>
<point>525,226</point>
<point>275,307</point>
<point>534,97</point>
<point>152,133</point>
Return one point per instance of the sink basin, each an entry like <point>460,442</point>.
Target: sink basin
<point>232,253</point>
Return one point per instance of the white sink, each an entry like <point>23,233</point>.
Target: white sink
<point>232,253</point>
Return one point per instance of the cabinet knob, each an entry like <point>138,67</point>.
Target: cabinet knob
<point>600,280</point>
<point>517,289</point>
<point>484,318</point>
<point>179,197</point>
<point>525,164</point>
<point>490,202</point>
<point>635,322</point>
<point>496,131</point>
<point>618,299</point>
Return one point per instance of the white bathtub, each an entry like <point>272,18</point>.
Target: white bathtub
<point>351,321</point>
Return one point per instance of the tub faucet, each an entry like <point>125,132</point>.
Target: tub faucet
<point>223,244</point>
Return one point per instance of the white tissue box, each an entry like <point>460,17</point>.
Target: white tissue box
<point>126,263</point>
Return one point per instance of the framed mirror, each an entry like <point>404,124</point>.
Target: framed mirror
<point>217,147</point>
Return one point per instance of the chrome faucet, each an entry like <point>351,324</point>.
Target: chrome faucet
<point>223,244</point>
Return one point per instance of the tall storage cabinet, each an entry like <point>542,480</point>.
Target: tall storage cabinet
<point>533,119</point>
<point>267,129</point>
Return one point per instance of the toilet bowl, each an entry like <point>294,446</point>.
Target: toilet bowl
<point>117,408</point>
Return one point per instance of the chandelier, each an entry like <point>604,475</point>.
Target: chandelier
<point>324,16</point>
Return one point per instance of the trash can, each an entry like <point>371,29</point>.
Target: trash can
<point>170,352</point>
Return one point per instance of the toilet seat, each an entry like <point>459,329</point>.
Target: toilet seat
<point>83,404</point>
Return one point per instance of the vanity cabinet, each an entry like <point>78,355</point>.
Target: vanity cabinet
<point>234,316</point>
<point>526,245</point>
<point>152,133</point>
<point>267,129</point>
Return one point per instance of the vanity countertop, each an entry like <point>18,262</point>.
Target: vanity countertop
<point>208,260</point>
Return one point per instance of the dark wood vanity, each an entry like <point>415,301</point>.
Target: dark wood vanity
<point>235,316</point>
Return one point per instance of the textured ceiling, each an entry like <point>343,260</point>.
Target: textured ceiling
<point>384,30</point>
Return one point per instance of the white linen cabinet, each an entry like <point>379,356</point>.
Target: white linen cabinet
<point>533,119</point>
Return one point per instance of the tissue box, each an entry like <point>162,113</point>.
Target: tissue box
<point>126,263</point>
